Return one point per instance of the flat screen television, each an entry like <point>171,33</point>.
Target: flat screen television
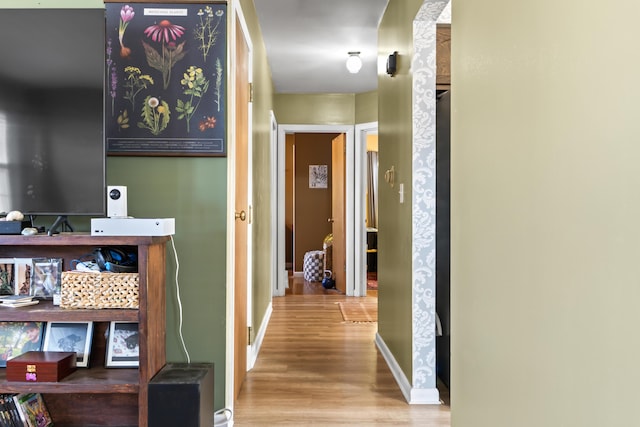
<point>52,150</point>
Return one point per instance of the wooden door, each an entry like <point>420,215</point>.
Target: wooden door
<point>241,208</point>
<point>337,211</point>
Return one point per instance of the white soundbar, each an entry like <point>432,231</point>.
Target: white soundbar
<point>133,226</point>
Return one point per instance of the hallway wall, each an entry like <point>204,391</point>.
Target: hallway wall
<point>545,209</point>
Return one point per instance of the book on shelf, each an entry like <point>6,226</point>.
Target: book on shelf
<point>34,409</point>
<point>10,414</point>
<point>17,300</point>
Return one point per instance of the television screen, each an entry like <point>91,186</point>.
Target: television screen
<point>52,151</point>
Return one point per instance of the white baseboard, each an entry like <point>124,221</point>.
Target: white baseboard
<point>413,396</point>
<point>257,343</point>
<point>298,274</point>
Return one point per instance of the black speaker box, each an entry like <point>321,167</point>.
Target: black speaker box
<point>181,394</point>
<point>13,227</point>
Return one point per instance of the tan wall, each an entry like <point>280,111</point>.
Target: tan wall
<point>545,209</point>
<point>312,205</point>
<point>395,324</point>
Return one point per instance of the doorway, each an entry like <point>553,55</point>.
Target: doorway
<point>366,228</point>
<point>349,230</point>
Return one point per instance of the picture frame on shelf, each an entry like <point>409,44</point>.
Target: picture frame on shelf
<point>45,277</point>
<point>70,336</point>
<point>123,346</point>
<point>17,338</point>
<point>23,268</point>
<point>7,276</point>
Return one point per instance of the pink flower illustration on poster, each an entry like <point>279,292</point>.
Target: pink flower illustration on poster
<point>126,15</point>
<point>167,34</point>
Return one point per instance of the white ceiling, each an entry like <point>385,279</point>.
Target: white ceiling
<point>308,41</point>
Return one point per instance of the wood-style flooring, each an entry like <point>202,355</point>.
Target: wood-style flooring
<point>314,369</point>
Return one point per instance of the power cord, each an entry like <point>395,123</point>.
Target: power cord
<point>175,253</point>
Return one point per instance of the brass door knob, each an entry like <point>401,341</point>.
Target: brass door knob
<point>242,215</point>
<point>330,220</point>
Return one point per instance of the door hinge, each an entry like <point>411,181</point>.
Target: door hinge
<point>250,92</point>
<point>248,335</point>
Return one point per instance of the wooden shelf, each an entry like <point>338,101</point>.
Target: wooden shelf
<point>83,380</point>
<point>45,311</point>
<point>97,395</point>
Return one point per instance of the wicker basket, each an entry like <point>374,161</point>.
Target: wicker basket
<point>81,289</point>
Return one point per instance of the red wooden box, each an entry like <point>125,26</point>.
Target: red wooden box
<point>41,366</point>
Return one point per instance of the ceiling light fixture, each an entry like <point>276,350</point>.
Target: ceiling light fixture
<point>354,63</point>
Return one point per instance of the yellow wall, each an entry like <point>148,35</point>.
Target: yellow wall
<point>367,107</point>
<point>372,142</point>
<point>395,149</point>
<point>545,214</point>
<point>325,109</point>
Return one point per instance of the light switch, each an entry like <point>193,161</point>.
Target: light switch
<point>401,192</point>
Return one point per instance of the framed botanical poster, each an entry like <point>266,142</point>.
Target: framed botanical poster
<point>165,86</point>
<point>19,337</point>
<point>70,336</point>
<point>123,347</point>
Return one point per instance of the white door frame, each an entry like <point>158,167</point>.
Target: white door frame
<point>277,286</point>
<point>348,130</point>
<point>360,184</point>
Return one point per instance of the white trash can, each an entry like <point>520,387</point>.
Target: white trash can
<point>222,417</point>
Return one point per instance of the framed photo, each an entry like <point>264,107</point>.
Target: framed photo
<point>19,337</point>
<point>70,336</point>
<point>7,276</point>
<point>45,277</point>
<point>123,347</point>
<point>318,176</point>
<point>23,275</point>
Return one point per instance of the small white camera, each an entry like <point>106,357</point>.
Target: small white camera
<point>117,201</point>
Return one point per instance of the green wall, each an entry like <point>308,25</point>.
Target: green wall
<point>395,324</point>
<point>545,208</point>
<point>58,4</point>
<point>193,191</point>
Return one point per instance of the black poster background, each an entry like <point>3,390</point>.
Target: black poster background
<point>165,86</point>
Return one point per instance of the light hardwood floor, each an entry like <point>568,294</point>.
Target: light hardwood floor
<point>316,369</point>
